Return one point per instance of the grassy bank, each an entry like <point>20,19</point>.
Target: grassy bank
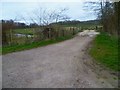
<point>105,51</point>
<point>15,48</point>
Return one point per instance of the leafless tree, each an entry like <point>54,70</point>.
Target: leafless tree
<point>43,16</point>
<point>108,14</point>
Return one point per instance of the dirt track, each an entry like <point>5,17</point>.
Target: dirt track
<point>61,65</point>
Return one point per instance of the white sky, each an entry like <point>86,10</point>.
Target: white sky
<point>48,0</point>
<point>11,9</point>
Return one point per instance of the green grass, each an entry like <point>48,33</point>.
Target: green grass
<point>15,48</point>
<point>105,51</point>
<point>24,31</point>
<point>31,30</point>
<point>82,25</point>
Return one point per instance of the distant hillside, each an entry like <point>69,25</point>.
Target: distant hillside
<point>91,22</point>
<point>74,22</point>
<point>82,24</point>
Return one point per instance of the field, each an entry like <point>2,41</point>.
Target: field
<point>105,51</point>
<point>24,31</point>
<point>82,26</point>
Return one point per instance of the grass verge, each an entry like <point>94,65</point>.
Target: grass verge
<point>15,48</point>
<point>105,51</point>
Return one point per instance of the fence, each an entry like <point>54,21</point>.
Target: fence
<point>40,34</point>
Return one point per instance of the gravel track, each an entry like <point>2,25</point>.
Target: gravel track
<point>61,65</point>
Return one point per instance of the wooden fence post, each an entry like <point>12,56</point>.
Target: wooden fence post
<point>73,31</point>
<point>96,28</point>
<point>10,36</point>
<point>57,33</point>
<point>63,32</point>
<point>26,38</point>
<point>70,30</point>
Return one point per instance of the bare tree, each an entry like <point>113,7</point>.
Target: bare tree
<point>107,14</point>
<point>60,15</point>
<point>43,16</point>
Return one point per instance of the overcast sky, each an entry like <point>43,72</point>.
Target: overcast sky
<point>12,9</point>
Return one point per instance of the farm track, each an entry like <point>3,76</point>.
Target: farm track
<point>62,65</point>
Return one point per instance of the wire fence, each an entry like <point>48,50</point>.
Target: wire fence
<point>40,34</point>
